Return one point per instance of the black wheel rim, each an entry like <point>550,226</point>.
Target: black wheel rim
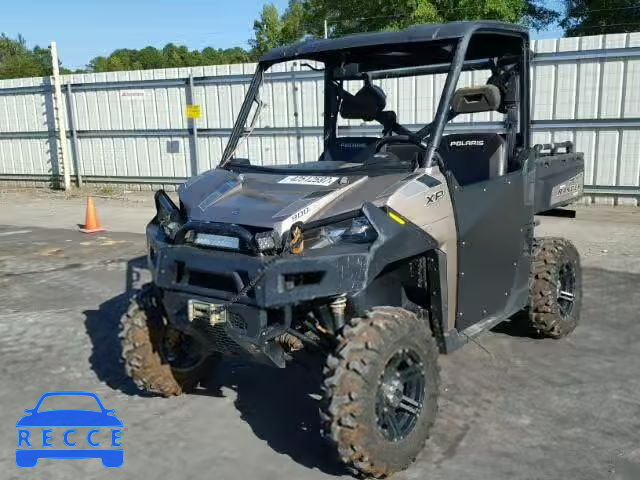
<point>400,395</point>
<point>181,351</point>
<point>566,289</point>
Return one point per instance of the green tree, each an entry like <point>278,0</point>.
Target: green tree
<point>293,22</point>
<point>175,56</point>
<point>234,55</point>
<point>16,60</point>
<point>11,47</point>
<point>266,30</point>
<point>150,57</point>
<point>538,15</point>
<point>98,64</point>
<point>272,30</point>
<point>43,57</point>
<point>170,56</point>
<point>20,66</point>
<point>593,17</point>
<point>350,16</point>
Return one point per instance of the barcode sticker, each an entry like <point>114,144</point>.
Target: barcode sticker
<point>308,180</point>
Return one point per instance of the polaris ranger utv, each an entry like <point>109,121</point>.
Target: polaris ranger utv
<point>384,252</point>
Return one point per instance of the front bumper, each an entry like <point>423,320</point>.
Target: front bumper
<point>187,273</point>
<point>287,280</point>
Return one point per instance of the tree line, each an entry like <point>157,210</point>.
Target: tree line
<point>337,17</point>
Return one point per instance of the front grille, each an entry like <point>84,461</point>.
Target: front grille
<point>237,321</point>
<point>218,338</point>
<point>216,334</point>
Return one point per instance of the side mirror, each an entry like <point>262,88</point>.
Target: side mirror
<point>485,98</point>
<point>28,410</point>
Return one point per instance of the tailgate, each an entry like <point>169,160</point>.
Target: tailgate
<point>559,180</point>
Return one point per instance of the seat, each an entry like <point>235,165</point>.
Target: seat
<point>365,105</point>
<point>474,157</point>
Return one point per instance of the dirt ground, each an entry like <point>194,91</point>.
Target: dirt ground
<point>511,407</point>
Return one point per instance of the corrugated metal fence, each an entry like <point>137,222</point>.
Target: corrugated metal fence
<point>130,127</point>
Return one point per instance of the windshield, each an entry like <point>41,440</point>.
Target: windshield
<point>333,115</point>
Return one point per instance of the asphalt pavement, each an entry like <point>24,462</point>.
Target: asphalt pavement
<point>511,407</point>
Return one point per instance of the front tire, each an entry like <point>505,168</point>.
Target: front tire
<point>555,290</point>
<point>380,391</point>
<point>150,348</point>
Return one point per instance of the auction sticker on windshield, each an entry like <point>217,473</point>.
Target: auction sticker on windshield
<point>308,180</point>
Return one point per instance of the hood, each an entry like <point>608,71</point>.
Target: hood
<point>276,200</point>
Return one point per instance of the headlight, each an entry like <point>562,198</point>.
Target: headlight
<point>354,230</point>
<point>167,214</point>
<point>217,241</point>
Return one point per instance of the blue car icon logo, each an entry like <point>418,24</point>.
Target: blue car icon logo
<point>36,437</point>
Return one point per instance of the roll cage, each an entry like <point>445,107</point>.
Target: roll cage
<point>420,50</point>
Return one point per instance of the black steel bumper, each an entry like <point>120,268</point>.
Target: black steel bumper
<point>287,280</point>
<point>186,272</point>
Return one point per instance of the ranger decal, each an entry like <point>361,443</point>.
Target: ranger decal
<point>569,189</point>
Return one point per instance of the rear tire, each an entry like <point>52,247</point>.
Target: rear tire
<point>380,391</point>
<point>555,288</point>
<point>144,337</point>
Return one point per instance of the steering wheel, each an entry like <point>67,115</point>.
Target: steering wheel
<point>415,140</point>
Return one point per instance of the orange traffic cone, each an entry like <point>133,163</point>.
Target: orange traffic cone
<point>91,222</point>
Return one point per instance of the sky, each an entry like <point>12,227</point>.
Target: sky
<point>89,28</point>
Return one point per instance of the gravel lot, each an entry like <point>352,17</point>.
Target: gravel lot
<point>512,407</point>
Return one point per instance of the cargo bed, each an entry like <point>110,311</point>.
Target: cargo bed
<point>559,176</point>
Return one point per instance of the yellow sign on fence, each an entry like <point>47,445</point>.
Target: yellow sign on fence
<point>193,112</point>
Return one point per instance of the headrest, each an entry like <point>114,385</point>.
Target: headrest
<point>484,98</point>
<point>365,105</point>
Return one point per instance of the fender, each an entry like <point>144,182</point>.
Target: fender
<point>406,256</point>
<point>395,242</point>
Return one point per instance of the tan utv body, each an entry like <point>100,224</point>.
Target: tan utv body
<point>399,243</point>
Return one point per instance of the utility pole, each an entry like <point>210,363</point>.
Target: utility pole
<point>326,28</point>
<point>61,121</point>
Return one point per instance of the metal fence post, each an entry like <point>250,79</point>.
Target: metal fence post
<point>193,128</point>
<point>75,148</point>
<point>59,116</point>
<point>297,110</point>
